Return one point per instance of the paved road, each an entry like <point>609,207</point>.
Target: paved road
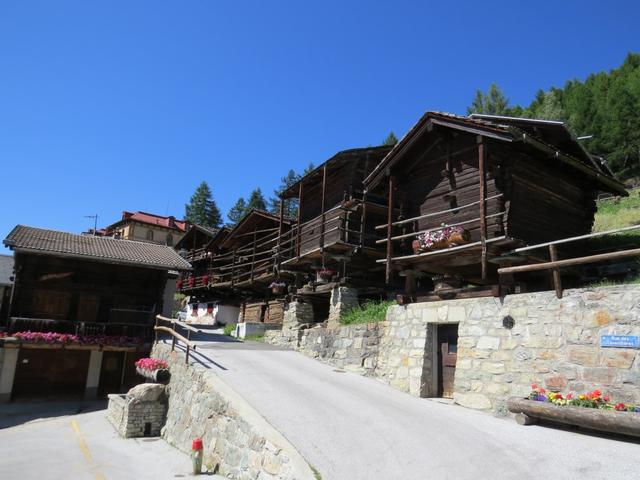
<point>46,441</point>
<point>350,427</point>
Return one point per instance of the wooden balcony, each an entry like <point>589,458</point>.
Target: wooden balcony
<point>135,330</point>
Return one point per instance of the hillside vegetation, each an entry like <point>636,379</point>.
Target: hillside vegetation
<point>605,106</point>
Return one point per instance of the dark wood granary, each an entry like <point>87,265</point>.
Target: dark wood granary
<point>334,228</point>
<point>504,182</point>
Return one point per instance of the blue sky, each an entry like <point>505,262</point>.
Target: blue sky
<point>111,106</point>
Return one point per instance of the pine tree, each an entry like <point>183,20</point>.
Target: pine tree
<point>391,139</point>
<point>491,103</point>
<point>256,200</point>
<point>290,206</point>
<point>237,212</point>
<point>310,168</point>
<point>202,209</point>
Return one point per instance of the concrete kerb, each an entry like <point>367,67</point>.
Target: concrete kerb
<point>250,415</point>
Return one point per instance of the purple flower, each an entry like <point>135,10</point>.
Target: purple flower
<point>540,398</point>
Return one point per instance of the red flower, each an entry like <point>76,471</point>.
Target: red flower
<point>569,396</point>
<point>597,393</point>
<point>534,386</point>
<point>620,406</point>
<point>606,398</point>
<point>542,390</point>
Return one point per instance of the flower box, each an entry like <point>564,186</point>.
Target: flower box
<point>441,238</point>
<point>613,421</point>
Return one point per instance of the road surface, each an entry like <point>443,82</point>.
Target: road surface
<point>350,427</point>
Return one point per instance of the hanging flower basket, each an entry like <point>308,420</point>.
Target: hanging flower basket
<point>441,238</point>
<point>591,410</point>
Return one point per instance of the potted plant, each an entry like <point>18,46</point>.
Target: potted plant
<point>153,369</point>
<point>278,287</point>
<point>590,410</point>
<point>325,274</point>
<point>443,237</point>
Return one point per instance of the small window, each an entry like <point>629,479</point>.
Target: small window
<point>149,234</point>
<point>169,240</point>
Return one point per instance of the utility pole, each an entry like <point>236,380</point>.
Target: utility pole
<point>95,222</point>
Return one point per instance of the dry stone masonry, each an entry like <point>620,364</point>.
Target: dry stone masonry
<point>140,412</point>
<point>504,345</point>
<point>236,438</point>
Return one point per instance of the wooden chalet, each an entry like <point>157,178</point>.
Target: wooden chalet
<point>335,223</point>
<point>198,247</point>
<point>98,289</point>
<point>505,182</point>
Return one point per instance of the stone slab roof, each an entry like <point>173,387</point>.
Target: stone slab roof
<point>102,249</point>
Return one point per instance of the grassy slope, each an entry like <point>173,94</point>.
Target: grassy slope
<point>618,212</point>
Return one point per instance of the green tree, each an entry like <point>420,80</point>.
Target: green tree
<point>237,211</point>
<point>493,102</point>
<point>202,209</point>
<point>291,205</point>
<point>391,139</point>
<point>310,168</point>
<point>256,200</point>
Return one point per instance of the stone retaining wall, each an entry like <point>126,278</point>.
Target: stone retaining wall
<point>553,342</point>
<point>235,436</point>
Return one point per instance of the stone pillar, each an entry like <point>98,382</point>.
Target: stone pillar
<point>342,300</point>
<point>93,375</point>
<point>8,372</point>
<point>297,313</point>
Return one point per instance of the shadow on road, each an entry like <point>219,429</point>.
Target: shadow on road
<point>24,411</point>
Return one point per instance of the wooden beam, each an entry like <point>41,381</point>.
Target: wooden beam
<point>602,257</point>
<point>300,191</point>
<point>322,205</point>
<point>557,282</point>
<point>483,206</point>
<point>389,230</point>
<point>280,229</point>
<point>253,254</point>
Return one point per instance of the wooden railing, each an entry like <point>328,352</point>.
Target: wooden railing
<point>175,336</point>
<point>555,264</point>
<point>138,330</point>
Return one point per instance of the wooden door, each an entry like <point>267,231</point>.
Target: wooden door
<point>447,356</point>
<point>111,373</point>
<point>50,374</point>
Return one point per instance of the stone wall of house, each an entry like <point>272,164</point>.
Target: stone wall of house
<point>553,342</point>
<point>235,436</point>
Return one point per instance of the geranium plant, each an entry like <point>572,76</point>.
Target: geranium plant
<point>149,363</point>
<point>434,238</point>
<point>53,338</point>
<point>593,399</point>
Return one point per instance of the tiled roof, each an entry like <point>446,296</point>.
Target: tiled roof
<point>103,249</point>
<point>151,219</point>
<point>6,269</point>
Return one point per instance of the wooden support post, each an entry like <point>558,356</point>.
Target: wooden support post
<point>557,280</point>
<point>233,266</point>
<point>253,254</point>
<point>483,206</point>
<point>299,223</point>
<point>363,219</point>
<point>280,229</point>
<point>389,230</point>
<point>156,331</point>
<point>322,206</point>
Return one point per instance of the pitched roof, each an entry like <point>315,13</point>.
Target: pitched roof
<point>552,138</point>
<point>193,230</point>
<point>6,270</point>
<point>339,158</point>
<point>151,219</point>
<point>101,249</point>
